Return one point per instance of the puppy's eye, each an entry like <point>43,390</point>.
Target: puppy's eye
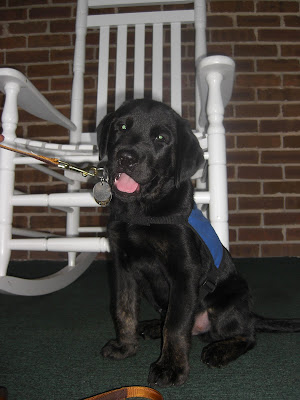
<point>160,138</point>
<point>123,127</point>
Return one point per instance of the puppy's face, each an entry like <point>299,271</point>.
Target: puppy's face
<point>141,142</point>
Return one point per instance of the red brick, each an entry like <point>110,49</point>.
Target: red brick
<point>280,157</point>
<point>260,235</point>
<point>278,94</point>
<point>242,157</point>
<point>292,203</point>
<point>258,141</point>
<point>233,35</point>
<point>277,250</point>
<point>244,65</point>
<point>255,80</point>
<point>293,234</point>
<point>48,69</point>
<point>62,26</point>
<point>261,203</point>
<point>240,126</point>
<point>292,172</point>
<point>16,3</point>
<point>245,219</point>
<point>292,20</point>
<point>291,141</point>
<point>278,35</point>
<point>282,218</point>
<point>13,14</point>
<point>49,41</point>
<point>231,6</point>
<point>279,125</point>
<point>214,21</point>
<point>13,42</point>
<point>291,110</point>
<point>255,50</point>
<point>257,110</point>
<point>62,54</point>
<point>258,20</point>
<point>27,27</point>
<point>244,187</point>
<point>243,94</point>
<point>278,65</point>
<point>244,250</point>
<point>292,50</point>
<point>49,12</point>
<point>281,187</point>
<point>26,56</point>
<point>259,172</point>
<point>277,6</point>
<point>216,49</point>
<point>291,80</point>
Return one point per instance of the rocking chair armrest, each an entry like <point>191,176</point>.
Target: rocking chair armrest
<point>31,100</point>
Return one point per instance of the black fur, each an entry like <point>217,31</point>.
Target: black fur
<point>166,262</point>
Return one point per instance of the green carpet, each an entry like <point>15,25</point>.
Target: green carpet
<point>50,345</point>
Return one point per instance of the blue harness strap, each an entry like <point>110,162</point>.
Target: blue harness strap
<point>207,233</point>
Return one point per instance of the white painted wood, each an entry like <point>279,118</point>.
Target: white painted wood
<point>176,102</point>
<point>139,61</point>
<point>147,18</point>
<point>31,100</point>
<point>120,3</point>
<point>120,90</point>
<point>103,74</point>
<point>214,81</point>
<point>157,62</point>
<point>48,284</point>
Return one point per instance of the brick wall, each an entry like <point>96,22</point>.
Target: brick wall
<point>262,120</point>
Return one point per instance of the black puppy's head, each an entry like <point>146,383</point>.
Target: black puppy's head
<point>148,146</point>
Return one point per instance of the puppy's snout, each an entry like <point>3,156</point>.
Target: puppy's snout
<point>127,158</point>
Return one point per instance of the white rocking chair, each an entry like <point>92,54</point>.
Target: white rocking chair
<point>214,81</point>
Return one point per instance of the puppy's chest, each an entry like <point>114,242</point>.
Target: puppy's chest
<point>140,242</point>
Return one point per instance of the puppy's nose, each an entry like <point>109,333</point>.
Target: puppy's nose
<point>127,158</point>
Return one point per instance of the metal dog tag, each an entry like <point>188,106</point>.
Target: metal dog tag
<point>102,191</point>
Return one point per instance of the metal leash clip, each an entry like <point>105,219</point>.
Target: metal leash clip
<point>101,191</point>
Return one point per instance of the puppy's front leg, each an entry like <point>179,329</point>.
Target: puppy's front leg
<point>172,368</point>
<point>125,314</point>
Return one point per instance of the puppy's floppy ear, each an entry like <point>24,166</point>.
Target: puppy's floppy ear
<point>103,133</point>
<point>189,155</point>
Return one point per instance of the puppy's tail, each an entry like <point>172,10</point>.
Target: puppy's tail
<point>276,325</point>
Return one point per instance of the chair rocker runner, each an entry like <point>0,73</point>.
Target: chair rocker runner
<point>213,87</point>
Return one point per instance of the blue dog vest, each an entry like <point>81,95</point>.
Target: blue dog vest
<point>207,233</point>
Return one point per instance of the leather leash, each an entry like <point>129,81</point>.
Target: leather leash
<point>117,394</point>
<point>127,393</point>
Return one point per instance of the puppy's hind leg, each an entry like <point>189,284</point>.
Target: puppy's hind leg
<point>220,353</point>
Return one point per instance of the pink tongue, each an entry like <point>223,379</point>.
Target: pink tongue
<point>126,184</point>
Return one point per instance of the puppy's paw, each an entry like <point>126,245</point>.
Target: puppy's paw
<point>118,351</point>
<point>219,354</point>
<point>150,329</point>
<point>167,374</point>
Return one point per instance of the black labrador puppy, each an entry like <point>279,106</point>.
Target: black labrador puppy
<point>165,250</point>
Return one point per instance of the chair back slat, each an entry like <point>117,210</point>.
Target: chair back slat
<point>147,18</point>
<point>162,24</point>
<point>157,62</point>
<point>139,61</point>
<point>120,90</point>
<point>102,89</point>
<point>176,67</point>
